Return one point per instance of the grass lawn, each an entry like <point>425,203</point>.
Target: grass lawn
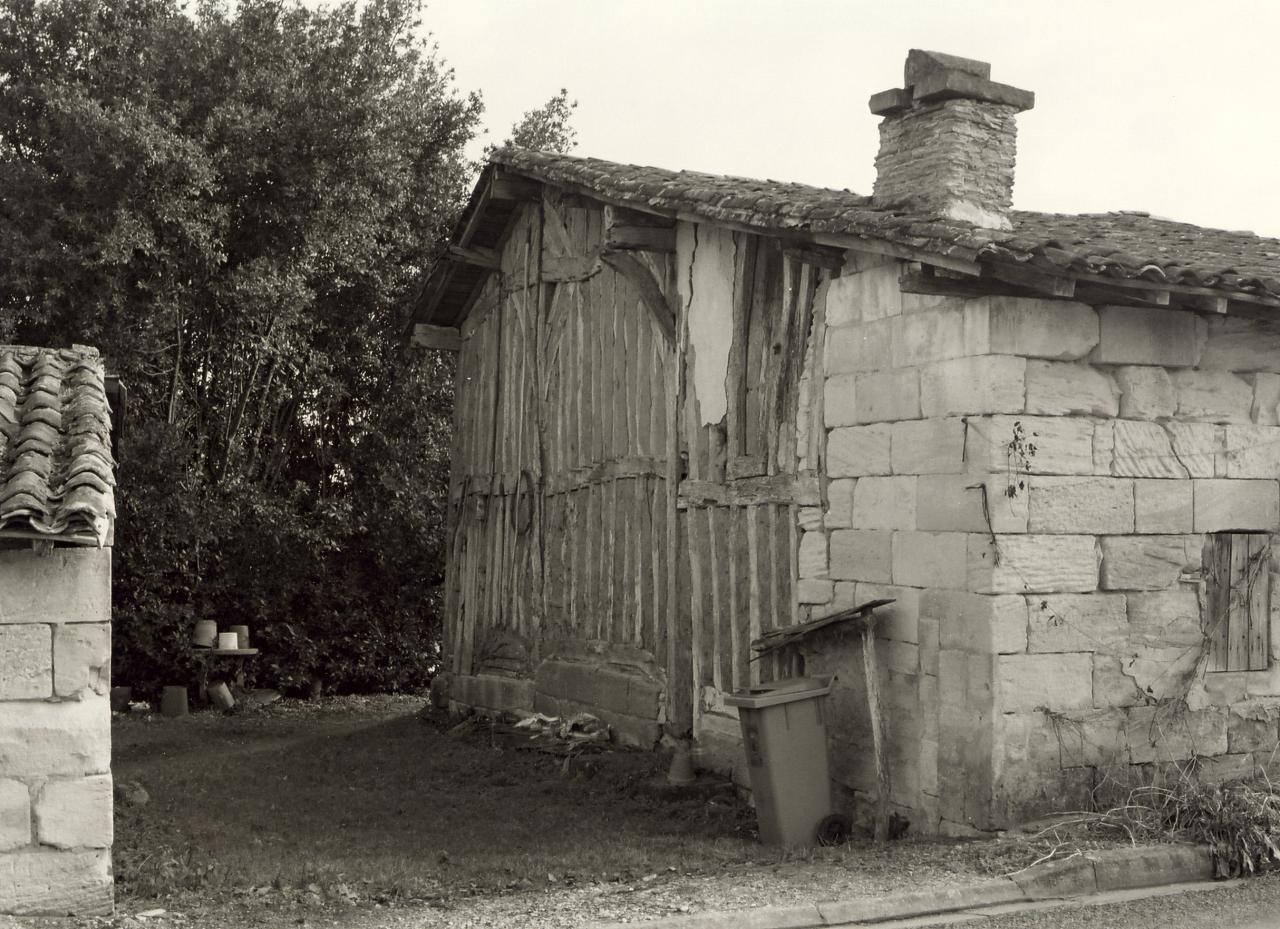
<point>331,813</point>
<point>365,798</point>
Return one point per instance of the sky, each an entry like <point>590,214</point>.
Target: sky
<point>1168,107</point>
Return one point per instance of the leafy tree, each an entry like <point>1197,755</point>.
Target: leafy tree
<point>547,128</point>
<point>234,204</point>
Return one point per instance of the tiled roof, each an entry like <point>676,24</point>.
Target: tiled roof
<point>56,469</point>
<point>1121,245</point>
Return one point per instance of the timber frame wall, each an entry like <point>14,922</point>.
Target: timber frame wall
<point>592,509</point>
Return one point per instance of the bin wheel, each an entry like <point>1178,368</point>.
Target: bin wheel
<point>835,829</point>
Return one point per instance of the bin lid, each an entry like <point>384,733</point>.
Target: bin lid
<point>787,690</point>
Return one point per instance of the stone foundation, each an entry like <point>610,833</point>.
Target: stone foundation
<point>55,732</point>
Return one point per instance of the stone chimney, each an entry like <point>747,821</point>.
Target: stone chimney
<point>948,141</point>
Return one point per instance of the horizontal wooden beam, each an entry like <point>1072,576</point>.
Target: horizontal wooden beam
<point>476,255</point>
<point>563,269</point>
<point>507,187</point>
<point>819,256</point>
<point>622,216</point>
<point>1042,282</point>
<point>640,238</point>
<point>443,338</point>
<point>801,489</point>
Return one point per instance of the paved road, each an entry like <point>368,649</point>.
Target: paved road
<point>1249,904</point>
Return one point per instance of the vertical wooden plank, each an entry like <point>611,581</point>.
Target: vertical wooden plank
<point>661,553</point>
<point>817,381</point>
<point>793,578</point>
<point>1217,574</point>
<point>640,554</point>
<point>638,372</point>
<point>679,659</point>
<point>618,366</point>
<point>717,610</point>
<point>755,607</point>
<point>1259,601</point>
<point>615,519</point>
<point>744,272</point>
<point>738,673</point>
<point>695,527</point>
<point>871,669</point>
<point>1238,609</point>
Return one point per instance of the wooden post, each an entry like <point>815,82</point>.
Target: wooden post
<point>870,666</point>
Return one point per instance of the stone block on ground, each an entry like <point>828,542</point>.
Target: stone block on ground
<point>1148,866</point>
<point>51,882</point>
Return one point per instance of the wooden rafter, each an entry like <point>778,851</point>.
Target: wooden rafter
<point>481,257</point>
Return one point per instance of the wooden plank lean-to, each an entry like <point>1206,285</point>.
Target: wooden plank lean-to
<point>871,670</point>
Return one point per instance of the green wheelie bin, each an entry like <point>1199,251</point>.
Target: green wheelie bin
<point>784,734</point>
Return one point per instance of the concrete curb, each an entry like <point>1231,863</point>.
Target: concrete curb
<point>1096,872</point>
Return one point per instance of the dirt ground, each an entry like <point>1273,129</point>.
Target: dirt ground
<point>374,813</point>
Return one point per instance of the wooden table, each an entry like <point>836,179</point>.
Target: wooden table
<point>235,658</point>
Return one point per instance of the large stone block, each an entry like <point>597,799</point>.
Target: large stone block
<point>1212,397</point>
<point>928,446</point>
<point>858,450</point>
<point>26,662</point>
<point>1143,449</point>
<point>814,591</point>
<point>1170,733</point>
<point>838,406</point>
<point>1266,398</point>
<point>1237,344</point>
<point>75,813</point>
<point>930,559</point>
<point>1112,687</point>
<point>1134,336</point>
<point>1253,451</point>
<point>1251,733</point>
<point>1226,505</point>
<point>1057,329</point>
<point>1200,447</point>
<point>15,815</point>
<point>81,658</point>
<point>1033,564</point>
<point>1162,506</point>
<point>1094,622</point>
<point>1146,392</point>
<point>978,623</point>
<point>886,396</point>
<point>868,294</point>
<point>937,335</point>
<point>954,503</point>
<point>884,503</point>
<point>1148,562</point>
<point>812,556</point>
<point>1165,618</point>
<point>1058,682</point>
<point>68,585</point>
<point>1062,388</point>
<point>980,384</point>
<point>1063,444</point>
<point>839,512</point>
<point>1080,505</point>
<point>862,555</point>
<point>50,882</point>
<point>863,347</point>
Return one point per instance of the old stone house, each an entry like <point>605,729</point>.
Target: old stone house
<point>692,408</point>
<point>56,531</point>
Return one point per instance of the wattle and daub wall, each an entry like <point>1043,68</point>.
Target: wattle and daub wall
<point>1072,506</point>
<point>55,731</point>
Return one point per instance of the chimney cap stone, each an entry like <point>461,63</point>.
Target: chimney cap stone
<point>931,77</point>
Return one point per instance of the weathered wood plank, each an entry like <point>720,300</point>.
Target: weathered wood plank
<point>802,489</point>
<point>756,603</point>
<point>1259,601</point>
<point>744,273</point>
<point>1238,609</point>
<point>871,671</point>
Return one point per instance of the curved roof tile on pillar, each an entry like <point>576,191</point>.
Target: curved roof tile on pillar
<point>56,471</point>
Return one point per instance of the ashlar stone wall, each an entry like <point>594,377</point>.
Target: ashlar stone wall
<point>1033,481</point>
<point>55,731</point>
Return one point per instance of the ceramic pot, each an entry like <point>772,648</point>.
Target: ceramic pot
<point>173,702</point>
<point>220,694</point>
<point>228,641</point>
<point>242,635</point>
<point>206,633</point>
